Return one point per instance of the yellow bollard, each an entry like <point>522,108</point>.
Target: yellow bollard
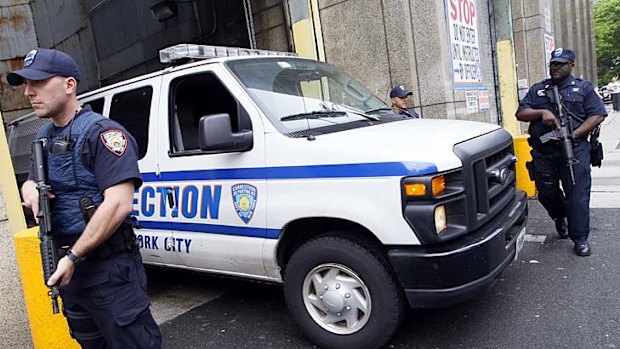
<point>522,151</point>
<point>49,331</point>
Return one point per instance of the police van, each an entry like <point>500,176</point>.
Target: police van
<point>266,166</point>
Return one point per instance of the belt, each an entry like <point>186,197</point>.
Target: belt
<point>550,145</point>
<point>122,240</point>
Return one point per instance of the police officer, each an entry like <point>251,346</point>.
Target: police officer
<point>400,102</point>
<point>569,206</point>
<point>101,277</point>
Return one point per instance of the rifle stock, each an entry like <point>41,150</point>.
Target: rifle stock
<point>47,245</point>
<point>565,133</point>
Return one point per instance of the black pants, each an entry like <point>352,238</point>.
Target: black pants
<point>615,100</point>
<point>106,304</point>
<point>571,201</point>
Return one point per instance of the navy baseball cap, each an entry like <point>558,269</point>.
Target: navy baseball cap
<point>41,64</point>
<point>562,55</point>
<point>400,91</point>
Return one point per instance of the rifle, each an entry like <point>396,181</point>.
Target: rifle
<point>49,252</point>
<point>566,133</point>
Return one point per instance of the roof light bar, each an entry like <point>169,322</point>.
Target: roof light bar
<point>193,51</point>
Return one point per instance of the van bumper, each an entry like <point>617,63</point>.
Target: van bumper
<point>438,276</point>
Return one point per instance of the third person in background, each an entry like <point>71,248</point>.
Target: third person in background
<point>400,102</point>
<point>568,206</point>
<point>614,89</point>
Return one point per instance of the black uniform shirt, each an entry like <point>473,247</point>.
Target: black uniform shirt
<point>112,153</point>
<point>578,97</point>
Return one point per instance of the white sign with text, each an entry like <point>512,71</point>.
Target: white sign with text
<point>462,19</point>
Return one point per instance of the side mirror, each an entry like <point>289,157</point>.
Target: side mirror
<point>214,133</point>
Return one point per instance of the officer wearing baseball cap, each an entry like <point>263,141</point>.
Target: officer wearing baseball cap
<point>562,55</point>
<point>400,102</point>
<point>100,275</point>
<point>568,205</point>
<point>41,64</point>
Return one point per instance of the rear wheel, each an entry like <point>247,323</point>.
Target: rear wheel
<point>342,294</point>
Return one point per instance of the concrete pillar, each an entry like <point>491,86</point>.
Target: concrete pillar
<point>529,41</point>
<point>393,42</point>
<point>507,73</point>
<point>401,50</point>
<point>14,330</point>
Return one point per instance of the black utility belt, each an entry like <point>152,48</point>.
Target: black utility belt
<point>123,240</point>
<point>549,145</point>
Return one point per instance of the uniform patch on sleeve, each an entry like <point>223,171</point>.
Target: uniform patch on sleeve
<point>115,141</point>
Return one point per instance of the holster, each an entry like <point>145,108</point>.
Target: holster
<point>530,170</point>
<point>596,153</point>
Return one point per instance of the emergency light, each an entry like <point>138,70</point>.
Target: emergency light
<point>194,51</point>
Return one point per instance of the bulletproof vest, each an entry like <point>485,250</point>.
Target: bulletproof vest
<point>68,176</point>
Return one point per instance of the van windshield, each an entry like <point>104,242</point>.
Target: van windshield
<point>303,95</point>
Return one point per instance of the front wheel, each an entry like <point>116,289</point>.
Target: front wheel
<point>342,294</point>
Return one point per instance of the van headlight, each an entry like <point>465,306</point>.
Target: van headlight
<point>441,220</point>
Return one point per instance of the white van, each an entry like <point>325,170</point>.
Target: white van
<point>277,168</point>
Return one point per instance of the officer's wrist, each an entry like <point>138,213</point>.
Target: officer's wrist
<point>73,257</point>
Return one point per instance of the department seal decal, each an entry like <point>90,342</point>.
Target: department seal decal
<point>115,141</point>
<point>244,200</point>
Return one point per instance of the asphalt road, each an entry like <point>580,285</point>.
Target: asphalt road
<point>549,298</point>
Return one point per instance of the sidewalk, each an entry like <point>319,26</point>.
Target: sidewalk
<point>606,179</point>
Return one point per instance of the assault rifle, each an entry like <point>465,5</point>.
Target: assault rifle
<point>566,132</point>
<point>49,252</point>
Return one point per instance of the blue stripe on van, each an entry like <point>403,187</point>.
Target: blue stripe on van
<point>212,229</point>
<point>377,169</point>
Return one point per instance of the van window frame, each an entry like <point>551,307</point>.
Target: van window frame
<point>243,121</point>
<point>143,140</point>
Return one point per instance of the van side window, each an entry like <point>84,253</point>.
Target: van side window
<point>96,105</point>
<point>132,110</point>
<point>193,97</point>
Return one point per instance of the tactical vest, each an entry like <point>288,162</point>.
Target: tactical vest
<point>68,176</point>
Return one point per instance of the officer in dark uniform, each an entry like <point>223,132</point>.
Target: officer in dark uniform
<point>400,102</point>
<point>550,167</point>
<point>89,157</point>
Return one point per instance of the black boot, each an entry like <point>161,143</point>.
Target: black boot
<point>582,249</point>
<point>561,227</point>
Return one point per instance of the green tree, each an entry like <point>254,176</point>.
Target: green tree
<point>607,31</point>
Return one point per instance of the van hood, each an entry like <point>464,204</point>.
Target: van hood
<point>423,141</point>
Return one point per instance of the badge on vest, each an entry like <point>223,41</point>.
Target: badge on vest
<point>115,141</point>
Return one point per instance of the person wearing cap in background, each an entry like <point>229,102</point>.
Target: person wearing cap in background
<point>568,206</point>
<point>101,278</point>
<point>400,102</point>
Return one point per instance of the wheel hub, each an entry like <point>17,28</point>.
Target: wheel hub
<point>336,298</point>
<point>333,301</point>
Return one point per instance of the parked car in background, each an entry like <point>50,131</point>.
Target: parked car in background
<point>605,93</point>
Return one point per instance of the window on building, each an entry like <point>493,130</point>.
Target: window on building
<point>194,97</point>
<point>132,110</point>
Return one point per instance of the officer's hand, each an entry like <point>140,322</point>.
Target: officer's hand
<point>64,272</point>
<point>548,118</point>
<point>30,194</point>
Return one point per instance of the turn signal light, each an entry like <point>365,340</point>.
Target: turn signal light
<point>439,185</point>
<point>415,189</point>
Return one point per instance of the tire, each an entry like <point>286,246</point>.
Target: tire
<point>362,306</point>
